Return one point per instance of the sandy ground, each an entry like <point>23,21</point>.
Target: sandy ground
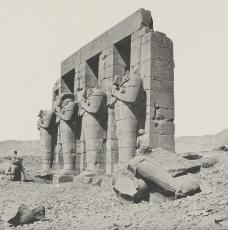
<point>85,206</point>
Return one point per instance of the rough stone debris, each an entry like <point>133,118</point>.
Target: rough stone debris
<point>44,174</point>
<point>25,215</point>
<point>174,164</point>
<point>163,175</point>
<point>62,177</point>
<point>193,212</point>
<point>131,188</point>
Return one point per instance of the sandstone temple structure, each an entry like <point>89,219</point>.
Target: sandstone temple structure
<point>120,82</point>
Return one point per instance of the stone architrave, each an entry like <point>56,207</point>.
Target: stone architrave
<point>124,96</point>
<point>66,120</point>
<point>45,125</point>
<point>93,128</point>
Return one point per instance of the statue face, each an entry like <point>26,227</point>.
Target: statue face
<point>67,101</point>
<point>42,115</point>
<point>45,118</point>
<point>68,109</point>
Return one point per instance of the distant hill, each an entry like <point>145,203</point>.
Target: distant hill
<point>23,147</point>
<point>199,143</point>
<point>183,144</point>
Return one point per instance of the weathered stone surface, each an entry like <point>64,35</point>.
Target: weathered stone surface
<point>117,84</point>
<point>153,173</point>
<point>162,127</point>
<point>83,179</point>
<point>156,197</point>
<point>173,163</point>
<point>125,28</point>
<point>67,110</point>
<point>187,185</point>
<point>136,51</point>
<point>94,130</point>
<point>47,132</point>
<point>107,182</point>
<point>58,178</point>
<point>25,215</point>
<point>161,99</point>
<point>160,177</point>
<point>131,189</point>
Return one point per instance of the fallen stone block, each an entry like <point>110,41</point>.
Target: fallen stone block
<point>173,163</point>
<point>191,156</point>
<point>26,215</point>
<point>44,174</point>
<point>96,181</point>
<point>107,182</point>
<point>83,179</point>
<point>152,173</point>
<point>209,162</point>
<point>57,179</point>
<point>156,197</point>
<point>222,148</point>
<point>131,189</point>
<point>159,180</point>
<point>186,185</point>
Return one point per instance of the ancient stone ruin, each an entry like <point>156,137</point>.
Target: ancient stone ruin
<point>119,83</point>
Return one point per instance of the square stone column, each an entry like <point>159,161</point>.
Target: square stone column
<point>152,56</point>
<point>110,64</point>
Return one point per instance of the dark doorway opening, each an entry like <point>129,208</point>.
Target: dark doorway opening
<point>67,83</point>
<point>92,66</point>
<point>124,49</point>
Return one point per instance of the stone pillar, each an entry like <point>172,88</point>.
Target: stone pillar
<point>110,64</point>
<point>152,56</point>
<point>82,150</point>
<point>68,145</point>
<point>67,121</point>
<point>94,126</point>
<point>46,127</point>
<point>126,130</point>
<point>112,143</point>
<point>126,116</point>
<point>58,159</point>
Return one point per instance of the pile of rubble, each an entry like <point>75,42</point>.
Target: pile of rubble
<point>160,175</point>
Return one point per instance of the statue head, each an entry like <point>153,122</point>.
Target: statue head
<point>65,98</point>
<point>67,106</point>
<point>141,132</point>
<point>45,118</point>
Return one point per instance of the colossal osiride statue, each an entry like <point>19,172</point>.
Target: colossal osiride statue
<point>123,97</point>
<point>66,117</point>
<point>93,128</point>
<point>45,125</point>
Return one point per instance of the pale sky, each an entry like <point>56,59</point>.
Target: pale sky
<point>36,35</point>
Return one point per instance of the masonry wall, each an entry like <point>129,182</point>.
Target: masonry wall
<point>152,56</point>
<point>96,64</point>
